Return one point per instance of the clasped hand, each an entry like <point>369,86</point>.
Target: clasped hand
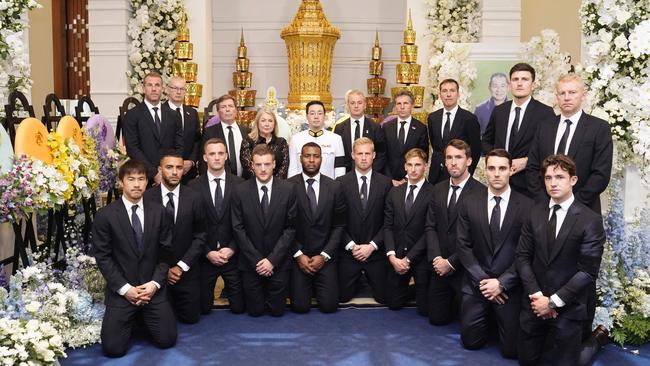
<point>141,295</point>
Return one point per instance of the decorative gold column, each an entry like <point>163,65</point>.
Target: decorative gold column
<point>376,102</point>
<point>185,69</point>
<point>310,40</point>
<point>408,71</point>
<point>242,80</point>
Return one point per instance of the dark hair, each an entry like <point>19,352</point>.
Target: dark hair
<point>499,153</point>
<point>522,66</point>
<point>497,75</point>
<point>263,149</point>
<point>314,102</point>
<point>405,93</point>
<point>131,167</point>
<point>214,140</point>
<point>225,97</point>
<point>170,154</point>
<point>560,160</point>
<point>310,144</point>
<point>447,81</point>
<point>460,145</point>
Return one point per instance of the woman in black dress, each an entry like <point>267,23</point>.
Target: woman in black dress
<point>264,131</point>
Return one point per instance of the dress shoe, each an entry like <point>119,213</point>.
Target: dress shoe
<point>601,335</point>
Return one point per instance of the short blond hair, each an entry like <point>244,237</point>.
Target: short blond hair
<point>415,152</point>
<point>567,78</point>
<point>363,141</point>
<point>353,92</point>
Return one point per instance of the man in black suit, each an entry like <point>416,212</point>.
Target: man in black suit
<point>362,243</point>
<point>402,135</point>
<point>513,124</point>
<point>489,226</point>
<point>405,223</point>
<point>228,130</point>
<point>216,188</point>
<point>319,223</point>
<point>444,286</point>
<point>586,139</point>
<point>263,216</point>
<point>185,209</point>
<point>150,130</point>
<point>189,124</point>
<point>357,126</point>
<point>558,259</point>
<point>447,123</point>
<point>132,242</point>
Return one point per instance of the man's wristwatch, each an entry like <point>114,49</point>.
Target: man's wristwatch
<point>551,304</point>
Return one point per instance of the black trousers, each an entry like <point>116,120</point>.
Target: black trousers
<point>232,282</point>
<point>118,323</point>
<point>324,283</point>
<point>350,272</point>
<point>185,295</point>
<point>265,293</point>
<point>444,297</point>
<point>474,312</point>
<point>397,286</point>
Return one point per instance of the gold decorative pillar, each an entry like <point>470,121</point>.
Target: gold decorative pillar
<point>185,69</point>
<point>310,40</point>
<point>376,102</point>
<point>408,71</point>
<point>242,80</point>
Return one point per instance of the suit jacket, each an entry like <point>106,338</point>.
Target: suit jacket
<point>219,232</point>
<point>485,257</point>
<point>191,137</point>
<point>591,148</point>
<point>405,234</point>
<point>371,130</point>
<point>465,127</point>
<point>416,137</point>
<point>571,267</point>
<point>364,226</point>
<point>117,254</point>
<point>497,130</point>
<point>441,240</point>
<point>262,237</point>
<point>320,231</point>
<point>188,233</point>
<point>217,131</point>
<point>144,143</point>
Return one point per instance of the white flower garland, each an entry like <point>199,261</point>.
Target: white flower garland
<point>543,53</point>
<point>454,63</point>
<point>14,62</point>
<point>457,21</point>
<point>153,31</point>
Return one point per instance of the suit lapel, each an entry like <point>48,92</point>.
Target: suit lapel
<point>419,201</point>
<point>302,197</point>
<point>207,196</point>
<point>525,121</point>
<point>567,225</point>
<point>148,223</point>
<point>323,195</point>
<point>123,221</point>
<point>254,199</point>
<point>457,126</point>
<point>373,195</point>
<point>150,121</point>
<point>411,137</point>
<point>578,134</point>
<point>512,210</point>
<point>356,201</point>
<point>347,144</point>
<point>484,220</point>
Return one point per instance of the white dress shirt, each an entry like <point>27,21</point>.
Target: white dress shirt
<point>350,245</point>
<point>174,107</point>
<point>562,127</point>
<point>331,146</point>
<point>460,185</point>
<point>511,118</point>
<point>407,127</point>
<point>238,139</point>
<point>503,205</point>
<point>353,126</point>
<point>268,185</point>
<point>452,117</point>
<point>213,184</point>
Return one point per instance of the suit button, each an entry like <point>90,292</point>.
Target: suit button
<point>405,249</point>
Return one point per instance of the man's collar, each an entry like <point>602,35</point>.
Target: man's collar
<point>316,134</point>
<point>174,106</point>
<point>150,106</point>
<point>315,177</point>
<point>212,177</point>
<point>165,190</point>
<point>128,204</point>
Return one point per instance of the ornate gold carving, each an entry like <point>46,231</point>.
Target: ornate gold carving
<point>408,71</point>
<point>242,79</point>
<point>376,102</point>
<point>184,52</point>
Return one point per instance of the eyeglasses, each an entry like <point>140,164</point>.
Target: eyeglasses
<point>176,89</point>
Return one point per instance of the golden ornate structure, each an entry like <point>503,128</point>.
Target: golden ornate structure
<point>184,68</point>
<point>242,80</point>
<point>376,102</point>
<point>408,71</point>
<point>310,40</point>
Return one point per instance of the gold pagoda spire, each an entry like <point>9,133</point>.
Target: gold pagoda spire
<point>183,67</point>
<point>376,102</point>
<point>408,71</point>
<point>242,80</point>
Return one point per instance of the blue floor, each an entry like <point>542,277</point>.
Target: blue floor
<point>372,336</point>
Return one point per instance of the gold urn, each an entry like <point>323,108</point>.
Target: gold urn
<point>310,41</point>
<point>182,67</point>
<point>376,103</point>
<point>242,80</point>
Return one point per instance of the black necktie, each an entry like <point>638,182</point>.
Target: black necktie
<point>495,220</point>
<point>363,192</point>
<point>402,134</point>
<point>561,147</point>
<point>169,207</point>
<point>446,130</point>
<point>409,199</point>
<point>218,195</point>
<point>180,115</point>
<point>514,130</point>
<point>232,155</point>
<point>265,200</point>
<point>552,227</point>
<point>452,201</point>
<point>156,119</point>
<point>311,195</point>
<point>357,130</point>
<point>137,227</point>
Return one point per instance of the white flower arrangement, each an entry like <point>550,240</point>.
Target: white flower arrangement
<point>29,342</point>
<point>152,29</point>
<point>457,21</point>
<point>14,62</point>
<point>454,63</point>
<point>543,53</point>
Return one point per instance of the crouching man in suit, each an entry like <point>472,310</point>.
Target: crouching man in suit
<point>131,242</point>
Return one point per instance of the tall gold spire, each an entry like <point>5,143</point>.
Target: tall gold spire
<point>242,80</point>
<point>183,67</point>
<point>376,102</point>
<point>408,71</point>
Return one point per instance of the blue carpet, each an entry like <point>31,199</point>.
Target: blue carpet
<point>370,336</point>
